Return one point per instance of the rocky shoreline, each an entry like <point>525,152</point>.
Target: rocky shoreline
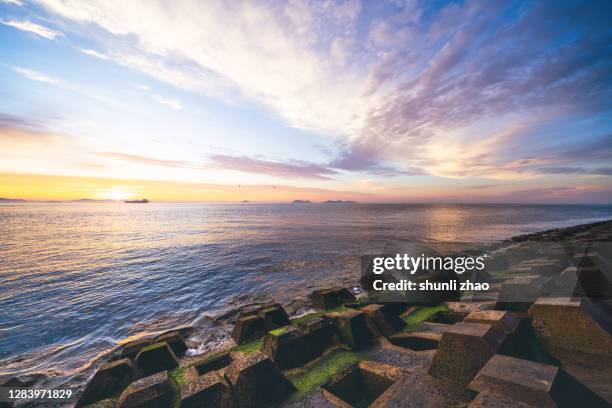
<point>541,336</point>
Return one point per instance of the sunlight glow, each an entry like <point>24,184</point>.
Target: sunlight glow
<point>116,193</point>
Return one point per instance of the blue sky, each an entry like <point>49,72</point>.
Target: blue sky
<point>376,101</point>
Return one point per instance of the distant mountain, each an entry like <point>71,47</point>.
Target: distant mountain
<point>12,200</point>
<point>301,201</point>
<point>339,201</point>
<point>93,200</point>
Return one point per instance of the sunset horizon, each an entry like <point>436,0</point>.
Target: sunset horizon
<point>341,100</point>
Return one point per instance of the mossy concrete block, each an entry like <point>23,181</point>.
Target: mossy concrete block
<point>490,399</point>
<point>256,381</point>
<point>504,320</point>
<point>132,348</point>
<point>537,384</point>
<point>361,384</point>
<point>321,331</point>
<point>248,327</point>
<point>324,299</point>
<point>176,341</point>
<point>417,341</point>
<point>213,363</point>
<point>287,348</point>
<point>354,329</point>
<point>464,349</point>
<point>155,358</point>
<point>208,390</point>
<point>518,294</point>
<point>149,392</point>
<point>105,403</point>
<point>274,316</point>
<point>385,318</point>
<point>577,324</point>
<point>108,381</point>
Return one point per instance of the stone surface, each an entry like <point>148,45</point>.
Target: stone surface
<point>490,399</point>
<point>213,363</point>
<point>208,390</point>
<point>361,384</point>
<point>386,319</point>
<point>417,341</point>
<point>572,323</point>
<point>274,316</point>
<point>464,349</point>
<point>256,381</point>
<point>132,348</point>
<point>506,321</point>
<point>533,383</point>
<point>109,380</point>
<point>354,329</point>
<point>155,358</point>
<point>324,299</point>
<point>148,392</point>
<point>247,328</point>
<point>176,342</point>
<point>519,293</point>
<point>288,349</point>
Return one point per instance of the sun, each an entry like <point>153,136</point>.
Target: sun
<point>116,194</point>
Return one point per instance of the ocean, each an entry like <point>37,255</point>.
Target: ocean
<point>77,279</point>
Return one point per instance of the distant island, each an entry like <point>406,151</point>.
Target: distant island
<point>143,201</point>
<point>244,201</point>
<point>301,201</point>
<point>82,200</point>
<point>11,200</point>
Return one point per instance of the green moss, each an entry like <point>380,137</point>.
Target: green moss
<point>419,315</point>
<point>325,368</point>
<point>279,331</point>
<point>312,316</point>
<point>153,346</point>
<point>249,348</point>
<point>176,379</point>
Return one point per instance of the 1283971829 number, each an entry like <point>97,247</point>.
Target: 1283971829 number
<point>12,394</point>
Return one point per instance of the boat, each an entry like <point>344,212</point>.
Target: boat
<point>143,201</point>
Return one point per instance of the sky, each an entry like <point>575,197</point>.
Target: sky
<point>268,101</point>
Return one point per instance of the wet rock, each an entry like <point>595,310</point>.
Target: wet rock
<point>324,299</point>
<point>176,342</point>
<point>416,341</point>
<point>541,385</point>
<point>148,392</point>
<point>464,349</point>
<point>572,323</point>
<point>105,403</point>
<point>155,358</point>
<point>256,381</point>
<point>354,329</point>
<point>385,318</point>
<point>109,380</point>
<point>208,390</point>
<point>247,328</point>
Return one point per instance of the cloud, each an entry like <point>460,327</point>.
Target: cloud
<point>599,171</point>
<point>412,87</point>
<point>142,159</point>
<point>290,169</point>
<point>173,103</point>
<point>40,77</point>
<point>95,54</point>
<point>34,28</point>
